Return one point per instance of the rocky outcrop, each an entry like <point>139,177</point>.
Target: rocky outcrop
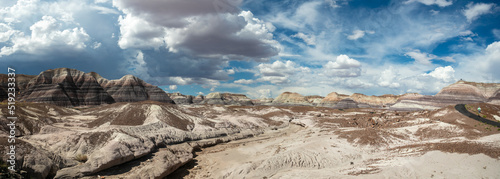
<point>332,99</point>
<point>21,82</point>
<point>461,92</point>
<point>198,99</point>
<point>214,98</point>
<point>292,99</point>
<point>314,100</point>
<point>236,99</point>
<point>263,101</point>
<point>36,161</point>
<point>374,101</point>
<point>70,87</point>
<point>413,101</point>
<point>130,89</point>
<point>111,135</point>
<point>65,87</point>
<point>227,99</point>
<point>360,100</point>
<point>495,99</point>
<point>179,98</point>
<point>346,104</point>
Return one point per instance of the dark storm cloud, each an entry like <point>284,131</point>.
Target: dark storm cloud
<point>172,13</point>
<point>198,28</point>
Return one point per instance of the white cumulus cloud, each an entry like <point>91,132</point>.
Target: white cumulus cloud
<point>446,74</point>
<point>46,36</point>
<point>473,11</point>
<point>389,78</point>
<point>172,87</point>
<point>279,72</point>
<point>344,66</point>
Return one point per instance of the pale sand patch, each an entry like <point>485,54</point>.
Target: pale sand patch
<point>53,112</point>
<point>242,120</point>
<point>219,108</point>
<point>437,164</point>
<point>262,111</point>
<point>441,113</point>
<point>354,113</point>
<point>496,117</point>
<point>296,152</point>
<point>153,113</point>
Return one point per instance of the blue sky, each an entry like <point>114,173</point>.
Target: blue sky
<point>260,48</point>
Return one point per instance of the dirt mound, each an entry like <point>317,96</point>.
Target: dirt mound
<point>31,117</point>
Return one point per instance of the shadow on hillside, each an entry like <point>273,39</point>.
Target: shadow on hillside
<point>461,108</point>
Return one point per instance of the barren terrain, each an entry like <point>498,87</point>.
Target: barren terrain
<point>159,140</point>
<point>396,145</point>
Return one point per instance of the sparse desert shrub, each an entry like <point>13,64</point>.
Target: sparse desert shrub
<point>81,158</point>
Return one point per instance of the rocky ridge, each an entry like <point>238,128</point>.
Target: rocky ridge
<point>70,87</point>
<point>65,87</point>
<point>180,98</point>
<point>461,92</point>
<point>110,135</point>
<point>226,99</point>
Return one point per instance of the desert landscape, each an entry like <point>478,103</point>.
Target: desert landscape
<point>73,124</point>
<point>249,89</point>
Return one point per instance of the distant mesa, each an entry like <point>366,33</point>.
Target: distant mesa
<point>461,92</point>
<point>180,98</point>
<point>292,99</point>
<point>263,101</point>
<point>198,99</point>
<point>227,99</point>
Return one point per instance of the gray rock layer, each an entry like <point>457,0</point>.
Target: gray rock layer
<point>180,98</point>
<point>70,87</point>
<point>227,99</point>
<point>65,87</point>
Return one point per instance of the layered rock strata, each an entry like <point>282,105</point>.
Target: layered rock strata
<point>292,99</point>
<point>65,87</point>
<point>21,82</point>
<point>227,99</point>
<point>461,92</point>
<point>198,99</point>
<point>130,89</point>
<point>70,87</point>
<point>179,98</point>
<point>263,101</point>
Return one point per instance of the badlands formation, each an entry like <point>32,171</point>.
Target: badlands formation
<point>73,124</point>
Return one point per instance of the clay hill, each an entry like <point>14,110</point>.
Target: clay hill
<point>70,87</point>
<point>212,98</point>
<point>461,92</point>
